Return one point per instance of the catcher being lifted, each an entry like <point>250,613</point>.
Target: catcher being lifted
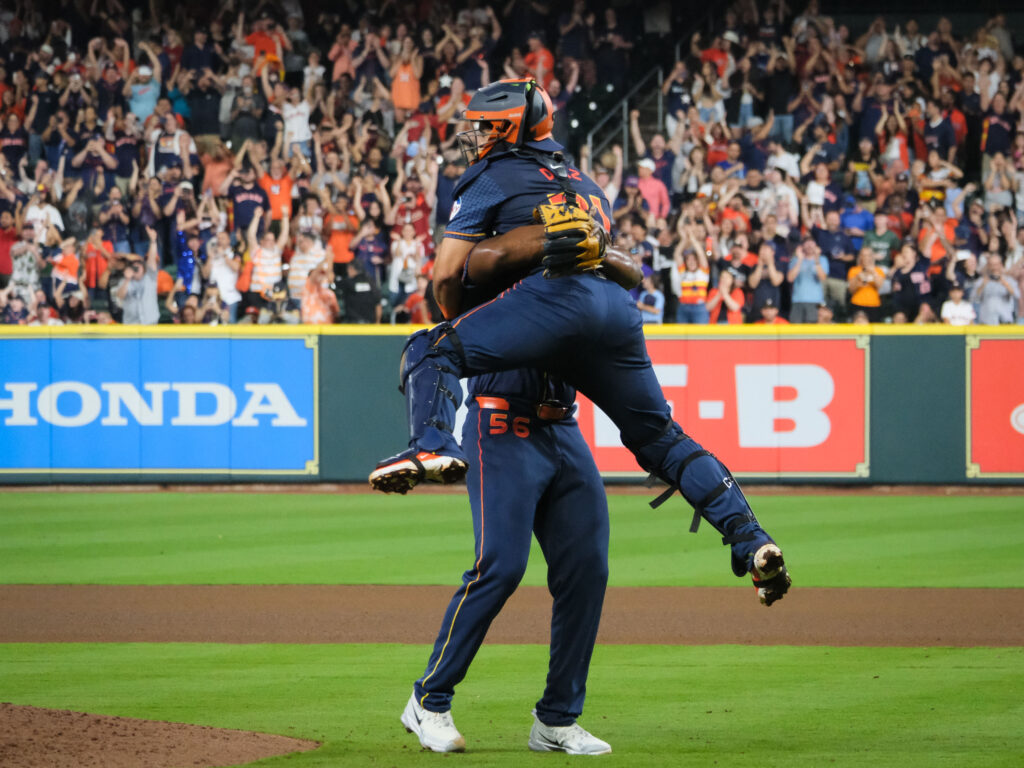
<point>531,296</point>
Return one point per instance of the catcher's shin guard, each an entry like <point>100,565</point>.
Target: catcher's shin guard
<point>708,486</point>
<point>430,383</point>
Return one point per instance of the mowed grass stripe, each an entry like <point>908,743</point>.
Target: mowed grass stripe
<point>234,538</point>
<point>658,705</point>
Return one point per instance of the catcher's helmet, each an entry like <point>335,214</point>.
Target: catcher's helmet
<point>507,111</point>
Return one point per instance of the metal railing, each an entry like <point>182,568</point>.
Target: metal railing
<point>705,25</point>
<point>621,110</point>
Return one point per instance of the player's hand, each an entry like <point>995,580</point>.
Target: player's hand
<point>573,241</point>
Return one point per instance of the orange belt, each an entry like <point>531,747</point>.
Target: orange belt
<point>492,403</point>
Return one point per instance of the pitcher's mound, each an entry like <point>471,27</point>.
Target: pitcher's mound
<point>53,738</point>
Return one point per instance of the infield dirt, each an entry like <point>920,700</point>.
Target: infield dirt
<point>397,614</point>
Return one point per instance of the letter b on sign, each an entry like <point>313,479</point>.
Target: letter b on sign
<point>783,406</point>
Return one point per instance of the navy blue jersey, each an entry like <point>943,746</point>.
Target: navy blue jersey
<point>245,201</point>
<point>115,230</point>
<point>126,150</point>
<point>498,194</point>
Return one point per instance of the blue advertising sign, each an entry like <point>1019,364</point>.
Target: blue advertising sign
<point>161,405</point>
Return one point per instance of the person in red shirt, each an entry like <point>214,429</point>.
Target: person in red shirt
<point>414,203</point>
<point>717,54</point>
<point>539,60</point>
<point>98,253</point>
<point>8,237</point>
<point>718,149</point>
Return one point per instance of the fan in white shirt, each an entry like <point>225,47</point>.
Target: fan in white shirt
<point>955,310</point>
<point>407,256</point>
<point>295,112</point>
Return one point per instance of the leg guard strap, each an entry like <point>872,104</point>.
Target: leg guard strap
<point>429,378</point>
<point>673,487</point>
<point>439,347</point>
<point>698,509</point>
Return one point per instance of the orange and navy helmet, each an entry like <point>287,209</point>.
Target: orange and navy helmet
<point>510,112</point>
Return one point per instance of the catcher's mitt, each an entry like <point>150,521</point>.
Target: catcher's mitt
<point>573,240</point>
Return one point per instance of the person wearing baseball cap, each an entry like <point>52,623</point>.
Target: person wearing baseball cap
<point>142,88</point>
<point>956,310</point>
<point>652,189</point>
<point>770,314</point>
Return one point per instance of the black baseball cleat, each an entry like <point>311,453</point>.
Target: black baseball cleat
<point>771,579</point>
<point>403,472</point>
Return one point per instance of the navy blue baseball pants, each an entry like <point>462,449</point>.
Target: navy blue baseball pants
<point>586,330</point>
<point>527,477</point>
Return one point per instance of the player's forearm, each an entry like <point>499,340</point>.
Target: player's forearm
<point>521,249</point>
<point>499,257</point>
<point>619,267</point>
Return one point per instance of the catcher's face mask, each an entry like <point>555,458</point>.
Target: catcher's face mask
<point>511,111</point>
<point>475,143</point>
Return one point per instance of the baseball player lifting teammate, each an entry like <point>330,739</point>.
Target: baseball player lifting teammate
<point>530,472</point>
<point>566,319</point>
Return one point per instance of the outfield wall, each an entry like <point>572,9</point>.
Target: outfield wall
<point>849,404</point>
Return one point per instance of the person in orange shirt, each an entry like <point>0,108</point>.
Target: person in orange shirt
<point>217,162</point>
<point>265,255</point>
<point>935,222</point>
<point>406,72</point>
<point>278,184</point>
<point>340,225</point>
<point>319,303</point>
<point>539,60</point>
<point>65,266</point>
<point>417,308</point>
<point>265,37</point>
<point>728,294</point>
<point>865,280</point>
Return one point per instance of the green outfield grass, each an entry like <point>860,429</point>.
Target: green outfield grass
<point>233,538</point>
<point>778,707</point>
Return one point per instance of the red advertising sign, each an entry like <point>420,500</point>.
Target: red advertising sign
<point>765,406</point>
<point>995,427</point>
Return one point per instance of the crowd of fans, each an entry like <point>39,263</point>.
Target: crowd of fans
<point>249,163</point>
<point>809,176</point>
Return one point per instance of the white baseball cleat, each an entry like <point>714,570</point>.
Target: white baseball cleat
<point>435,730</point>
<point>401,473</point>
<point>571,739</point>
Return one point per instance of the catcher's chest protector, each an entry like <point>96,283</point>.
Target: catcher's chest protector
<point>502,194</point>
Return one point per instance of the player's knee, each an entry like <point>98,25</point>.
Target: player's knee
<point>438,346</point>
<point>505,573</point>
